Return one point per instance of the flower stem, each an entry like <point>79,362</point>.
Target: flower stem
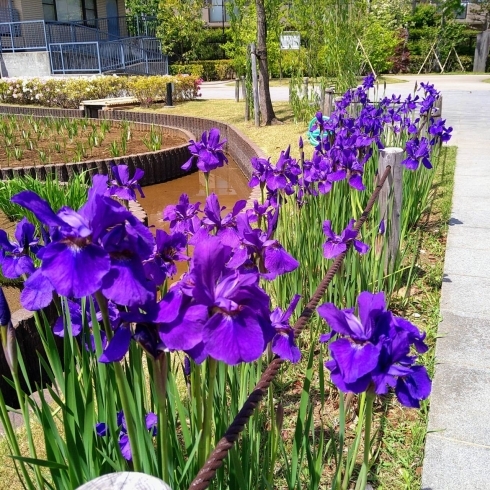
<point>362,482</point>
<point>161,371</point>
<point>337,482</point>
<point>272,435</point>
<point>205,442</point>
<point>121,386</point>
<point>206,182</point>
<point>7,424</point>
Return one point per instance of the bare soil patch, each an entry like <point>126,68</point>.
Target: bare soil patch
<point>26,141</point>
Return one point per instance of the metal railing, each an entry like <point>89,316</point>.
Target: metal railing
<point>72,32</point>
<point>29,35</point>
<point>36,35</point>
<point>124,26</point>
<point>9,14</point>
<point>80,57</point>
<point>120,56</point>
<point>89,46</point>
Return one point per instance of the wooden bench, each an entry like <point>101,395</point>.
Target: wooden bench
<point>91,108</point>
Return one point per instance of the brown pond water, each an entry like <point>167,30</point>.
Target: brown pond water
<point>228,183</point>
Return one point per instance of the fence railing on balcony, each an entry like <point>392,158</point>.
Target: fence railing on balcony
<point>73,32</point>
<point>80,57</point>
<point>27,35</point>
<point>125,26</point>
<point>120,56</point>
<point>35,35</point>
<point>9,14</point>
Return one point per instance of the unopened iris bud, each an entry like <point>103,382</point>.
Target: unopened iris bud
<point>4,310</point>
<point>7,332</point>
<point>382,227</point>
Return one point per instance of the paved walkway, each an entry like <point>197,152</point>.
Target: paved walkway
<point>457,453</point>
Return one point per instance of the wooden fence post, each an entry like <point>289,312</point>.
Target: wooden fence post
<point>245,98</point>
<point>255,82</point>
<point>237,90</point>
<point>390,201</point>
<point>244,89</point>
<point>438,106</point>
<point>328,101</point>
<point>305,87</point>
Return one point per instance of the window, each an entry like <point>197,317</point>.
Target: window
<point>69,10</point>
<point>461,13</point>
<point>217,11</point>
<point>89,10</point>
<point>49,10</point>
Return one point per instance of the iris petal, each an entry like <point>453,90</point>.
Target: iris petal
<point>75,271</point>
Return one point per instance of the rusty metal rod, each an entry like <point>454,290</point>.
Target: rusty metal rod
<point>215,459</point>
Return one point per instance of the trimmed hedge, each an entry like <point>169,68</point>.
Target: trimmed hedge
<point>69,92</point>
<point>207,70</point>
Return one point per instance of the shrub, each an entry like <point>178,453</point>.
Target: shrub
<point>195,69</point>
<point>208,70</point>
<point>68,93</point>
<point>148,89</point>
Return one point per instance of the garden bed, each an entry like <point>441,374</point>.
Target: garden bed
<point>61,140</point>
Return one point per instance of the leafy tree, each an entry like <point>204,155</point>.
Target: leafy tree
<point>181,28</point>
<point>380,42</point>
<point>266,109</point>
<point>141,7</point>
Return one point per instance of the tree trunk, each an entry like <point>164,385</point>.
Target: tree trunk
<point>268,116</point>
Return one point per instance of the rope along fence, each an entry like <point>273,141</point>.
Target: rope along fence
<point>215,459</point>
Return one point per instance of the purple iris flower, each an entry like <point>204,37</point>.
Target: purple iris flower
<point>440,132</point>
<point>15,258</point>
<point>323,172</point>
<point>181,214</point>
<point>225,228</point>
<point>261,167</point>
<point>372,351</point>
<point>337,244</point>
<point>271,256</point>
<point>208,153</point>
<point>239,326</point>
<point>151,422</point>
<point>368,81</point>
<point>168,250</point>
<point>284,175</point>
<point>98,247</point>
<point>382,227</point>
<point>122,186</point>
<point>283,343</point>
<point>417,151</point>
<point>80,317</point>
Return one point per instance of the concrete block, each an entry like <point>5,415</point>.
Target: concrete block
<point>468,185</point>
<point>465,295</point>
<point>28,64</point>
<point>463,341</point>
<point>468,261</point>
<point>468,238</point>
<point>450,465</point>
<point>459,399</point>
<point>471,212</point>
